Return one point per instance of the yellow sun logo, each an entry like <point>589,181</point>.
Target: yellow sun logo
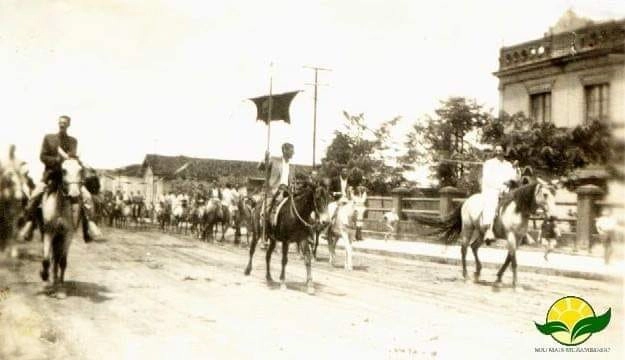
<point>571,321</point>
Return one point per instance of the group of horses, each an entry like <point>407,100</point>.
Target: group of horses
<point>201,220</point>
<point>304,215</point>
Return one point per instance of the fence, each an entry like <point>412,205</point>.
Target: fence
<point>579,230</point>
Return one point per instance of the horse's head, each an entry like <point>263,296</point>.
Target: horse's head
<point>545,197</point>
<point>72,177</point>
<point>321,199</point>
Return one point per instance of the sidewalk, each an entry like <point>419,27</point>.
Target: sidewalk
<point>577,266</point>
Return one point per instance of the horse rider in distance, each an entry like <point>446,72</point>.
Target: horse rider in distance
<point>496,175</point>
<point>52,159</point>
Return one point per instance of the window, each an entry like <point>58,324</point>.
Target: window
<point>597,102</point>
<point>540,107</point>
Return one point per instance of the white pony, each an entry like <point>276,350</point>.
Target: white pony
<point>343,226</point>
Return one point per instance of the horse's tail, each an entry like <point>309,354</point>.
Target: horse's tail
<point>448,228</point>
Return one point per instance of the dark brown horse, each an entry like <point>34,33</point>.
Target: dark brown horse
<point>243,218</point>
<point>293,225</point>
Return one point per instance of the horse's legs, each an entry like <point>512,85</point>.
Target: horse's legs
<point>285,252</point>
<point>503,267</point>
<point>512,244</point>
<point>348,250</point>
<point>308,260</point>
<point>331,247</point>
<point>475,245</point>
<point>63,265</point>
<point>463,253</point>
<point>47,254</point>
<point>272,245</point>
<point>315,234</point>
<point>224,228</point>
<point>476,242</point>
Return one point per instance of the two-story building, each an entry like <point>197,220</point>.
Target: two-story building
<point>574,74</point>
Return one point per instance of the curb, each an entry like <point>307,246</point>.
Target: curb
<point>587,275</point>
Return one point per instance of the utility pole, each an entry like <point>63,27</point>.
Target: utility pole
<point>315,84</point>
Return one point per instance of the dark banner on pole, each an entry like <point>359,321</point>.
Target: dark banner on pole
<point>280,104</point>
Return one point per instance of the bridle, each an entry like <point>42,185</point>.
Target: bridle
<point>314,225</point>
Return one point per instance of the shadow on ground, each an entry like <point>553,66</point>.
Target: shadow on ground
<point>94,292</point>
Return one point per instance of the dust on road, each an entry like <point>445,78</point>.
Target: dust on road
<point>159,296</point>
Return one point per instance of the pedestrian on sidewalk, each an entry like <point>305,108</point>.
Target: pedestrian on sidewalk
<point>549,235</point>
<point>606,226</point>
<point>390,221</point>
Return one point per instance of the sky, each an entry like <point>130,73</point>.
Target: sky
<point>173,76</point>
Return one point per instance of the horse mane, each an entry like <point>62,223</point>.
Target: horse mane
<point>523,197</point>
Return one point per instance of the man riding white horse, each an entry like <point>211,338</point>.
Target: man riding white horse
<point>496,176</point>
<point>55,148</point>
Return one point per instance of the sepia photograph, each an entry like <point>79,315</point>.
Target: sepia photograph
<point>313,179</point>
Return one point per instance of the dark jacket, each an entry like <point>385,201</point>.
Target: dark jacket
<point>49,150</point>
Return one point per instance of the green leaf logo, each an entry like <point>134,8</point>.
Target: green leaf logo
<point>591,325</point>
<point>551,327</point>
<point>571,321</point>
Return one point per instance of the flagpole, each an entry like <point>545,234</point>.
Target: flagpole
<point>267,152</point>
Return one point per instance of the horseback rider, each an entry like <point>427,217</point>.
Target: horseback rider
<point>496,176</point>
<point>280,175</point>
<point>52,159</point>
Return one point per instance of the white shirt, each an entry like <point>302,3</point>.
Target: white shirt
<point>495,174</point>
<point>226,197</point>
<point>284,174</point>
<point>343,186</point>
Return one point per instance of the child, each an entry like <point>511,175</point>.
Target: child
<point>549,234</point>
<point>606,225</point>
<point>390,220</point>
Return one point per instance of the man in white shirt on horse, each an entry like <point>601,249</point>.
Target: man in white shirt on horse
<point>496,175</point>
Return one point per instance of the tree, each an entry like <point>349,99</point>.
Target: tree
<point>365,153</point>
<point>443,142</point>
<point>552,150</point>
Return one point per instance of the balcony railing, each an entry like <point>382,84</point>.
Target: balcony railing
<point>605,36</point>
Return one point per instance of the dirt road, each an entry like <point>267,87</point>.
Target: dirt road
<point>147,295</point>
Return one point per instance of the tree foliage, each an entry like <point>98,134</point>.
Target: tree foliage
<point>552,150</point>
<point>442,141</point>
<point>363,151</point>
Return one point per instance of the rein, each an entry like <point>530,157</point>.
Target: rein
<point>299,217</point>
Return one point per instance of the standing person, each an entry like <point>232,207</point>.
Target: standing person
<point>606,226</point>
<point>391,219</point>
<point>360,204</point>
<point>549,235</point>
<point>496,176</point>
<point>51,157</point>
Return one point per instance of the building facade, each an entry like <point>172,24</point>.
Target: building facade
<point>573,75</point>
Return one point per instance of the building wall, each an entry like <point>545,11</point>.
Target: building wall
<point>567,92</point>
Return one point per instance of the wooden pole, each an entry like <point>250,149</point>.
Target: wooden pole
<point>267,152</point>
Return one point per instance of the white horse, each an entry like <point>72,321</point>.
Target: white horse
<point>511,224</point>
<point>61,218</point>
<point>348,217</point>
